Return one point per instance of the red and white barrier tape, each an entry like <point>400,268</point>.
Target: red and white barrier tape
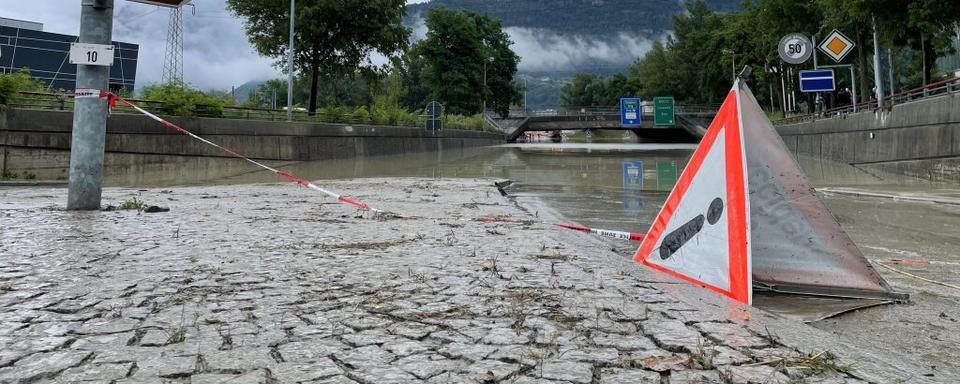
<point>112,99</point>
<point>604,232</point>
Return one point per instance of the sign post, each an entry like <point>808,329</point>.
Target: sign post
<point>90,114</point>
<point>664,112</point>
<point>632,174</point>
<point>666,175</point>
<point>631,114</point>
<point>795,48</point>
<point>836,46</point>
<point>818,80</point>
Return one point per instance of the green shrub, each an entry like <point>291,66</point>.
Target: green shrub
<point>11,84</point>
<point>180,99</point>
<point>361,115</point>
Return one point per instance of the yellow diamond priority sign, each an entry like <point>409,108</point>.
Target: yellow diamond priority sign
<point>836,45</point>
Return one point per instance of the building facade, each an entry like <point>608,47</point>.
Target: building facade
<point>46,55</point>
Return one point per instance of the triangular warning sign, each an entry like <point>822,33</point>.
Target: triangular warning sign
<point>701,233</point>
<point>743,213</point>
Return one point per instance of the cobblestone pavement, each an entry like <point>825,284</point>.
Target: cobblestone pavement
<point>274,284</point>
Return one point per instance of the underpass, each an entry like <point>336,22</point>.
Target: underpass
<point>690,123</point>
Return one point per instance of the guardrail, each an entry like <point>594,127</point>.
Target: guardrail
<point>943,87</point>
<point>65,102</point>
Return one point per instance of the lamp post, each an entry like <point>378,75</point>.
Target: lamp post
<point>290,63</point>
<point>483,94</point>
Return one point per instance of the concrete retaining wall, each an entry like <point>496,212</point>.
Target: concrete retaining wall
<point>38,141</point>
<point>920,139</point>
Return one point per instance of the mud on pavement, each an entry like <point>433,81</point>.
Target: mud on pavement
<point>274,284</point>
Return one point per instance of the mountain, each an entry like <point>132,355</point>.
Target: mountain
<point>578,17</point>
<point>559,38</point>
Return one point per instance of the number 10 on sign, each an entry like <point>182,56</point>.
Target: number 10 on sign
<point>91,54</point>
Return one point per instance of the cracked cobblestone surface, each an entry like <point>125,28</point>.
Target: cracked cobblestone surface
<point>273,284</point>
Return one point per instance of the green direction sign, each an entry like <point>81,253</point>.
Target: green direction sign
<point>663,111</point>
<point>666,175</point>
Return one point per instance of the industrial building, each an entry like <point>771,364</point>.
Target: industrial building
<point>24,44</point>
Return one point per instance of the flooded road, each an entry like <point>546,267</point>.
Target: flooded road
<point>622,187</point>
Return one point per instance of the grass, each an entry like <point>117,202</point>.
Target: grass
<point>133,203</point>
<point>814,364</point>
<point>5,288</point>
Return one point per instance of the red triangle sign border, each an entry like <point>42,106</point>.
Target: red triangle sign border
<point>740,280</point>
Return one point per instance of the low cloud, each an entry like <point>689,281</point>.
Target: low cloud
<point>550,51</point>
<point>216,53</point>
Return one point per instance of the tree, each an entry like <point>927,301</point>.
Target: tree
<point>333,37</point>
<point>459,48</point>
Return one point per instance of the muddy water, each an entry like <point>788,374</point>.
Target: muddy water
<point>585,183</point>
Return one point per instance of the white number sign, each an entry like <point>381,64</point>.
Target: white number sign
<point>91,54</point>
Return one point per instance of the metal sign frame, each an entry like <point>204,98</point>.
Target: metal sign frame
<point>837,57</point>
<point>164,3</point>
<point>818,77</point>
<point>433,113</point>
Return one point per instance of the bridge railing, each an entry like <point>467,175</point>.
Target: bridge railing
<point>939,88</point>
<point>610,110</point>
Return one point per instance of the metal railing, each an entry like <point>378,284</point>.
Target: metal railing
<point>610,110</point>
<point>65,102</point>
<point>939,88</point>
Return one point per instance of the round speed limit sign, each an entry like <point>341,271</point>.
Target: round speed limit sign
<point>795,48</point>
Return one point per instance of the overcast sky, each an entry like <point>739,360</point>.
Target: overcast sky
<point>218,55</point>
<point>216,51</point>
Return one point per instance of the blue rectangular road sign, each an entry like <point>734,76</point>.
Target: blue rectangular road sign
<point>818,80</point>
<point>631,112</point>
<point>633,174</point>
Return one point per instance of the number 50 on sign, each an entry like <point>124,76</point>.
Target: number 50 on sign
<point>91,54</point>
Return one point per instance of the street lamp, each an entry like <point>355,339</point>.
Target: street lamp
<point>484,90</point>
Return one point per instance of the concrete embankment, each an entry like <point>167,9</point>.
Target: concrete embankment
<point>259,283</point>
<point>37,142</point>
<point>918,139</point>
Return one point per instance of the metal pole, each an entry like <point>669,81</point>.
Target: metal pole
<point>290,62</point>
<point>790,95</point>
<point>890,71</point>
<point>90,114</point>
<point>773,106</point>
<point>526,86</point>
<point>876,66</point>
<point>853,87</point>
<point>733,66</point>
<point>783,90</point>
<point>814,42</point>
<point>483,92</point>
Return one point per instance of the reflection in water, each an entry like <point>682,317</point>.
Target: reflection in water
<point>584,182</point>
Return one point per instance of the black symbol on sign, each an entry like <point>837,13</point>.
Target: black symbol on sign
<point>680,236</point>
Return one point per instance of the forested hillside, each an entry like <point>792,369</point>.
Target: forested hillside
<point>557,39</point>
<point>579,17</point>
